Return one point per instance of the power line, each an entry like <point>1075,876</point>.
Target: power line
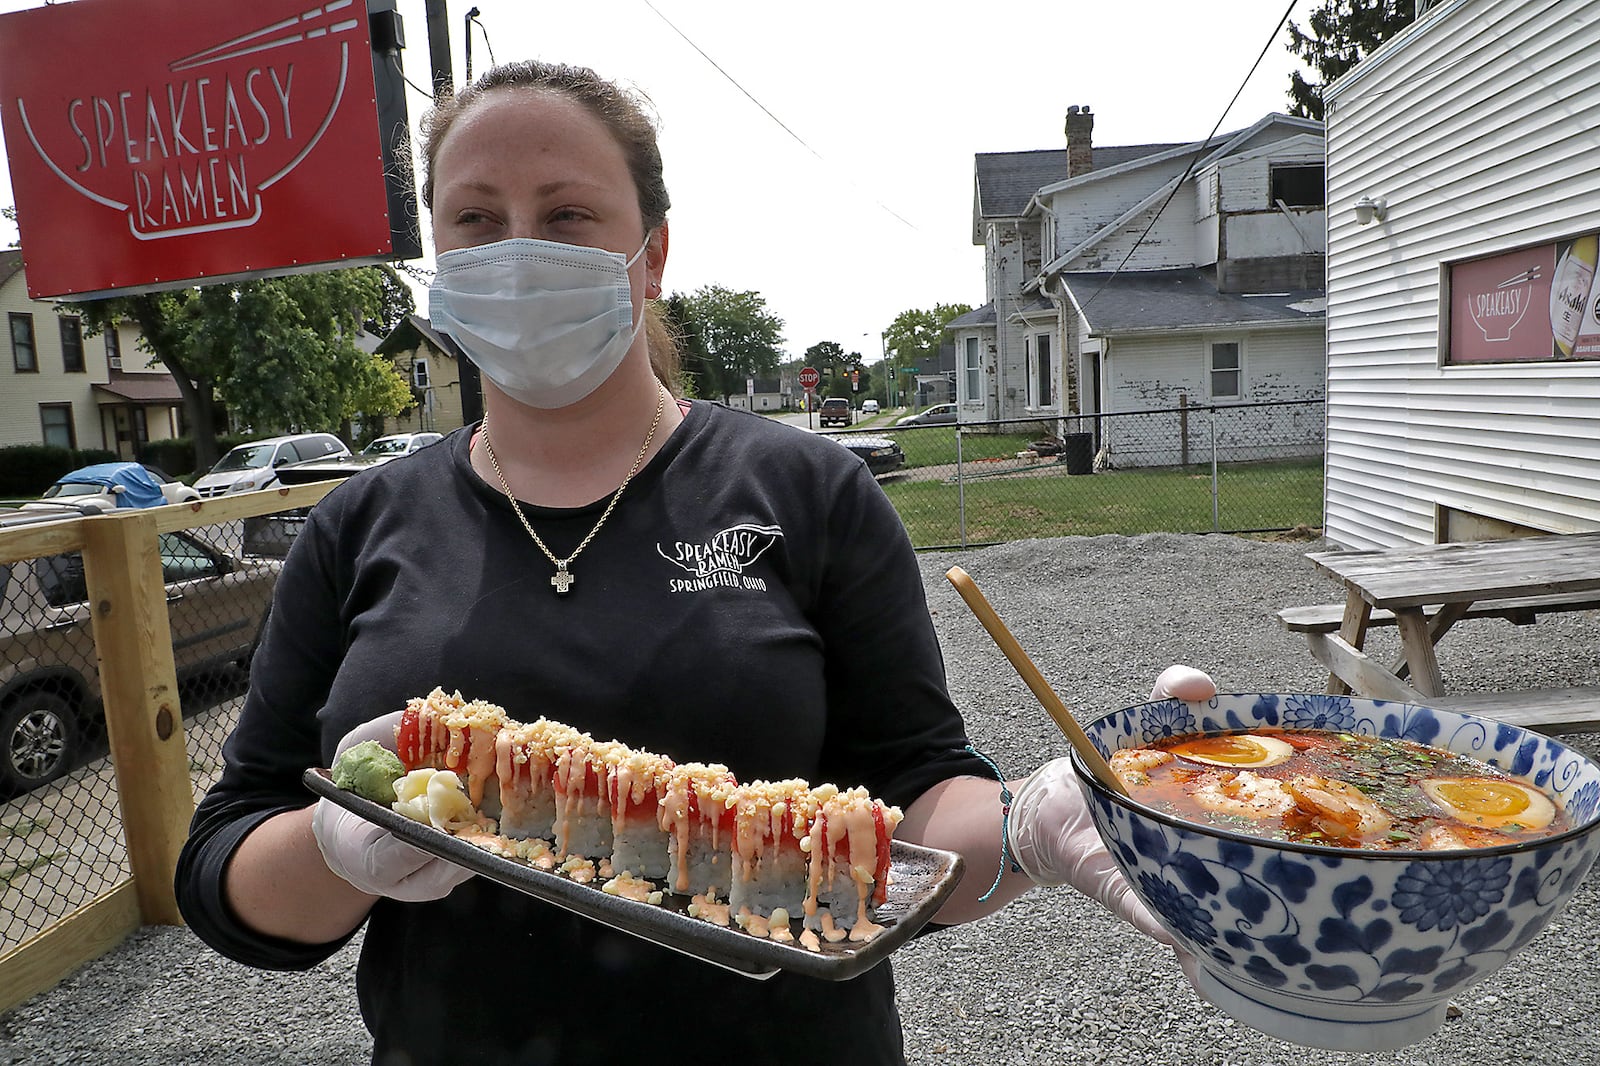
<point>1205,146</point>
<point>764,109</point>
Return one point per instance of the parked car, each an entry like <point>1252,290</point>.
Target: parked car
<point>869,407</point>
<point>882,455</point>
<point>108,486</point>
<point>50,709</point>
<point>937,415</point>
<point>255,465</point>
<point>835,410</point>
<point>397,444</point>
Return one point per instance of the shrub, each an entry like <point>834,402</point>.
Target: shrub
<point>29,469</point>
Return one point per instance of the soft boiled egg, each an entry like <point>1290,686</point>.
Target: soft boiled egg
<point>1241,750</point>
<point>1492,802</point>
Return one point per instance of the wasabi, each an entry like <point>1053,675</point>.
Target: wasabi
<point>369,770</point>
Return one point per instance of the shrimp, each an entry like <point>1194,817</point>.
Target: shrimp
<point>1458,837</point>
<point>1242,793</point>
<point>1132,765</point>
<point>1335,807</point>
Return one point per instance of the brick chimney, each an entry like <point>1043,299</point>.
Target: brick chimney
<point>1080,140</point>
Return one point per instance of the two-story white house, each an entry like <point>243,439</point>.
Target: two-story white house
<point>1145,277</point>
<point>59,387</point>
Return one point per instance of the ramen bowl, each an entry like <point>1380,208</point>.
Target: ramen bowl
<point>1353,950</point>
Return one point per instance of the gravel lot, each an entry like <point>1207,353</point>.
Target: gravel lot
<point>1052,979</point>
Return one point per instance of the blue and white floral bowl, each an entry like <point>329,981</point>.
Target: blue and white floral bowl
<point>1335,947</point>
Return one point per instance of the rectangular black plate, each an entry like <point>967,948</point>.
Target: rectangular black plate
<point>919,881</point>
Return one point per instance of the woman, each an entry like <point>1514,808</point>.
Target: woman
<point>602,554</point>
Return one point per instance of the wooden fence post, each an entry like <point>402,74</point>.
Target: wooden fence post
<point>139,685</point>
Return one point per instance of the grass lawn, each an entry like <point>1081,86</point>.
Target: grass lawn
<point>1251,496</point>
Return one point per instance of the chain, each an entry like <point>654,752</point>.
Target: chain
<point>563,579</point>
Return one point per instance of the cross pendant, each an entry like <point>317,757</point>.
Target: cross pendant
<point>561,579</point>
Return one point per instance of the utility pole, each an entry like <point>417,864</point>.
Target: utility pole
<point>443,86</point>
<point>466,41</point>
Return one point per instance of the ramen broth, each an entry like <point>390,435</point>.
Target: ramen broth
<point>1337,789</point>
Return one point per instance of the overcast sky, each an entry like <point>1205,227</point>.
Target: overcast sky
<point>822,153</point>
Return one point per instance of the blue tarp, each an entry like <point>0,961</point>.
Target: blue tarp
<point>140,488</point>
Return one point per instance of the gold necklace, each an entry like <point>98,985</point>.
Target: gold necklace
<point>563,579</point>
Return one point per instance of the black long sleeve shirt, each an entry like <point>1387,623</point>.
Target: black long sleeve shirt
<point>753,600</point>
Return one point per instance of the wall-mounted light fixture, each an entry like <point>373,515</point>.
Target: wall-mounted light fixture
<point>1368,208</point>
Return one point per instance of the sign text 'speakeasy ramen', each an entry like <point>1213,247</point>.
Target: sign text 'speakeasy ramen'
<point>158,143</point>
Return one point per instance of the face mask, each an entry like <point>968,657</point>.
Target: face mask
<point>546,322</point>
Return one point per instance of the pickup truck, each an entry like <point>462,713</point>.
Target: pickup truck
<point>835,409</point>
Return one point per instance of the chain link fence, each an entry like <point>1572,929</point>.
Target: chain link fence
<point>1241,468</point>
<point>62,841</point>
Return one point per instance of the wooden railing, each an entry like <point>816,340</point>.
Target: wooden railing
<point>144,719</point>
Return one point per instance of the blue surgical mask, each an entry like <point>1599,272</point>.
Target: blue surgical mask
<point>546,322</point>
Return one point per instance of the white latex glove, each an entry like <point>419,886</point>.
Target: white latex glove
<point>1184,683</point>
<point>370,857</point>
<point>1053,837</point>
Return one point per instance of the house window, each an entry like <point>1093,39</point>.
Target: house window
<point>113,348</point>
<point>71,327</point>
<point>1040,377</point>
<point>1226,370</point>
<point>23,353</point>
<point>419,373</point>
<point>55,419</point>
<point>1299,186</point>
<point>972,368</point>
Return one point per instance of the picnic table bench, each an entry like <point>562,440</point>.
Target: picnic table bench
<point>1424,591</point>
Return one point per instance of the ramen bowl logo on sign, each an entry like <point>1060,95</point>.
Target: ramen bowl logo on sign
<point>170,124</point>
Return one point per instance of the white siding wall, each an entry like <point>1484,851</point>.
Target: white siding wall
<point>1479,126</point>
<point>21,394</point>
<point>1156,373</point>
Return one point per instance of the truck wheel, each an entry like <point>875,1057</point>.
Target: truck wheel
<point>40,737</point>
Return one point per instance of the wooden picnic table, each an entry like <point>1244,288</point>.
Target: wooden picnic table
<point>1425,590</point>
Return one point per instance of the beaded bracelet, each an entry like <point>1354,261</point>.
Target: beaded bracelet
<point>1005,817</point>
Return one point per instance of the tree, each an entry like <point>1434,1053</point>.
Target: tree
<point>280,352</point>
<point>1342,32</point>
<point>10,214</point>
<point>914,336</point>
<point>726,337</point>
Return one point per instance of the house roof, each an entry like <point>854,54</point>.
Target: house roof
<point>1008,180</point>
<point>1181,299</point>
<point>981,316</point>
<point>414,330</point>
<point>143,388</point>
<point>10,263</point>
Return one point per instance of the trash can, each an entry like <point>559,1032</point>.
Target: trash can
<point>1077,451</point>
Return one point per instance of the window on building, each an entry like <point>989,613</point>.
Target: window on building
<point>1226,370</point>
<point>972,368</point>
<point>24,354</point>
<point>1041,377</point>
<point>55,422</point>
<point>1299,186</point>
<point>71,327</point>
<point>419,373</point>
<point>113,348</point>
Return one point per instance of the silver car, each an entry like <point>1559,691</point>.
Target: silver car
<point>50,711</point>
<point>253,466</point>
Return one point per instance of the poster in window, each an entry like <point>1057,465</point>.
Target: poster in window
<point>1535,304</point>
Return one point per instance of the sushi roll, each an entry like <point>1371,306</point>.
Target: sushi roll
<point>849,868</point>
<point>582,811</point>
<point>769,869</point>
<point>636,784</point>
<point>699,824</point>
<point>443,732</point>
<point>525,758</point>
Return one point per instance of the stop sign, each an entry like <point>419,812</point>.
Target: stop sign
<point>809,378</point>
